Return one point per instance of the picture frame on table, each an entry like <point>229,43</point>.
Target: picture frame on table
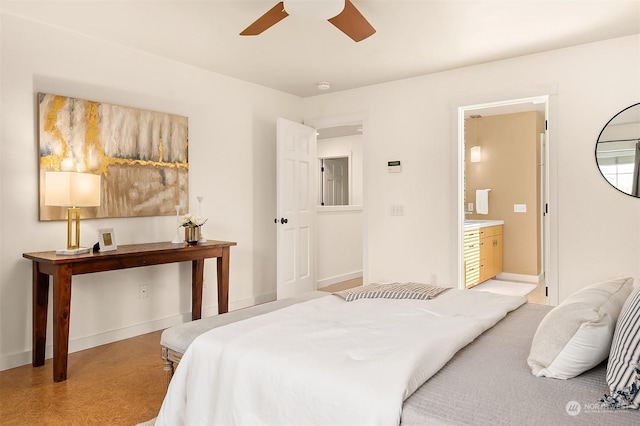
<point>106,239</point>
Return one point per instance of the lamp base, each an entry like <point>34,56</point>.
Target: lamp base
<point>71,252</point>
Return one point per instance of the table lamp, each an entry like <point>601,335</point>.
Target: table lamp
<point>72,190</point>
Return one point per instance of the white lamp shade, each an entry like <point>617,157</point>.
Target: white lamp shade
<point>476,154</point>
<point>71,189</point>
<point>318,9</point>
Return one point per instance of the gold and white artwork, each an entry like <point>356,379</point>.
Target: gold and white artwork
<point>141,156</point>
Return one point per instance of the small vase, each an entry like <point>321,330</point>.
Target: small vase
<point>192,235</point>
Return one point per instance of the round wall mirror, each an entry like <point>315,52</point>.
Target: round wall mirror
<point>618,151</point>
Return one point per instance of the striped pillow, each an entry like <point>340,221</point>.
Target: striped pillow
<point>623,369</point>
<point>392,291</point>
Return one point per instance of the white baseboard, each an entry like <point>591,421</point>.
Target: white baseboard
<point>250,301</point>
<point>80,344</point>
<point>338,279</point>
<point>535,279</point>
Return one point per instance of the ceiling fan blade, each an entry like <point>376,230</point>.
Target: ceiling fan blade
<point>351,22</point>
<point>270,18</point>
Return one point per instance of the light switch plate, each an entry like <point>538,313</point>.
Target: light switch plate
<point>519,208</point>
<point>397,210</point>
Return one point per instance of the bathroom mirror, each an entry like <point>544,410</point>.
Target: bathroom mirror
<point>618,151</point>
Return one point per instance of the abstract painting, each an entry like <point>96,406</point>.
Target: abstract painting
<point>141,155</point>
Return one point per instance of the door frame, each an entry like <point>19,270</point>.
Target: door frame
<point>345,120</point>
<point>550,248</point>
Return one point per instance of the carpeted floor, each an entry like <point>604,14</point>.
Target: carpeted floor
<point>508,288</point>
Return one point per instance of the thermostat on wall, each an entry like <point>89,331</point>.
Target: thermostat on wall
<point>394,166</point>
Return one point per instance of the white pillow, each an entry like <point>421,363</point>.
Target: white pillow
<point>576,335</point>
<point>623,369</point>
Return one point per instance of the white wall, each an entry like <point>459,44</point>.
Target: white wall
<point>413,121</point>
<point>232,132</point>
<point>338,245</point>
<point>231,148</point>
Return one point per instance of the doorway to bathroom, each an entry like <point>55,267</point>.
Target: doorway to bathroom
<point>504,190</point>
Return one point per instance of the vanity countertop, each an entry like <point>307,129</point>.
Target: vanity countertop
<point>474,224</point>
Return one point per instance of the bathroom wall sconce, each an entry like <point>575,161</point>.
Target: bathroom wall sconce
<point>476,154</point>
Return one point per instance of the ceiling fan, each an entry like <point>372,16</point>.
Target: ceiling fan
<point>341,13</point>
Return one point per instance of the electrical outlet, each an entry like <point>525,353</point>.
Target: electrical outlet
<point>143,291</point>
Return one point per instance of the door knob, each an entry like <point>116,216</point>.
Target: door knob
<point>283,220</point>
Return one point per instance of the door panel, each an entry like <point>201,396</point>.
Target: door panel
<point>287,186</point>
<point>304,183</point>
<point>296,195</point>
<point>304,261</point>
<point>288,263</point>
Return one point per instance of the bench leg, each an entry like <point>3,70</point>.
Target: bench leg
<point>168,365</point>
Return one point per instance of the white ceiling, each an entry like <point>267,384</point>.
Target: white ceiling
<point>413,37</point>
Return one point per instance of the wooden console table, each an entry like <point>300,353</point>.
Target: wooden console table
<point>62,268</point>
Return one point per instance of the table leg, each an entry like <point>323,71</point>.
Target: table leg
<point>61,319</point>
<point>223,281</point>
<point>40,306</point>
<point>197,279</point>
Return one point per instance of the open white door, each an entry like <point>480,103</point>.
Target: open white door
<point>296,207</point>
<point>546,229</point>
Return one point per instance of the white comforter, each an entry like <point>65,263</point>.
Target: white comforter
<point>325,361</point>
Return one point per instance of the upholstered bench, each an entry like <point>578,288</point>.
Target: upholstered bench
<point>175,340</point>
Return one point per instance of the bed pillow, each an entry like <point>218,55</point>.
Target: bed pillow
<point>576,335</point>
<point>623,368</point>
<point>392,291</point>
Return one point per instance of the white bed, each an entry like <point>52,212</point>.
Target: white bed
<point>329,362</point>
<point>326,361</point>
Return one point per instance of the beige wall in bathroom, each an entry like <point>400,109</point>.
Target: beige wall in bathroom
<point>509,167</point>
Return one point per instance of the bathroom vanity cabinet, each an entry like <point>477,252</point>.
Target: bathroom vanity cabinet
<point>482,253</point>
